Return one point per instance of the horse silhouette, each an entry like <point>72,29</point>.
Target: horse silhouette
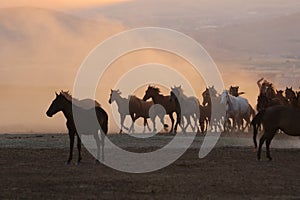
<point>210,97</point>
<point>170,107</point>
<point>85,109</point>
<point>284,118</point>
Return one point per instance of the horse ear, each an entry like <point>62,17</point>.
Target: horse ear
<point>56,94</point>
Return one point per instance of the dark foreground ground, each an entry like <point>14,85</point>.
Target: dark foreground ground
<point>226,173</point>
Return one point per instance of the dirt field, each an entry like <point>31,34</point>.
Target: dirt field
<point>32,170</point>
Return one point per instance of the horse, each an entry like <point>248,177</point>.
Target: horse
<point>291,96</point>
<point>280,117</point>
<point>268,90</point>
<point>189,107</point>
<point>237,108</point>
<point>65,103</point>
<point>140,108</point>
<point>210,97</point>
<point>164,101</point>
<point>123,108</point>
<point>234,91</point>
<point>205,115</point>
<point>268,97</point>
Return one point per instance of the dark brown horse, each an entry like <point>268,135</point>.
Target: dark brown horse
<point>291,96</point>
<point>164,101</point>
<point>284,118</point>
<point>85,108</point>
<point>140,108</point>
<point>210,97</point>
<point>123,109</point>
<point>268,97</point>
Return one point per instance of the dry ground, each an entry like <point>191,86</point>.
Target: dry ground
<point>226,173</point>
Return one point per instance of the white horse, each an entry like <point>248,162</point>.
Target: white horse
<point>189,107</point>
<point>123,106</point>
<point>237,108</point>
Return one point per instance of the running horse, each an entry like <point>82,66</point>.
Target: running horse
<point>280,117</point>
<point>189,108</point>
<point>124,109</point>
<point>237,108</point>
<point>85,108</point>
<point>170,107</point>
<point>211,98</point>
<point>145,109</point>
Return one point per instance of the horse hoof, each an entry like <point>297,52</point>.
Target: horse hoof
<point>258,158</point>
<point>270,159</point>
<point>68,162</point>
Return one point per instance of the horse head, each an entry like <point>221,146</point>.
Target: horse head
<point>114,94</point>
<point>151,92</point>
<point>224,97</point>
<point>175,93</point>
<point>56,105</point>
<point>234,91</point>
<point>290,93</point>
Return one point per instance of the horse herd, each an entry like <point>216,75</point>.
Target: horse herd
<point>231,112</point>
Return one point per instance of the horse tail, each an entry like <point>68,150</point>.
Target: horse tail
<point>103,119</point>
<point>256,123</point>
<point>105,124</point>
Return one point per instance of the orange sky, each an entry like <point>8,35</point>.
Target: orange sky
<point>57,4</point>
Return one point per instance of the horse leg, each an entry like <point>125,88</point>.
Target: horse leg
<point>97,139</point>
<point>154,124</point>
<point>172,122</point>
<point>149,129</point>
<point>71,136</point>
<point>102,144</point>
<point>132,124</point>
<point>162,121</point>
<point>268,142</point>
<point>79,149</point>
<point>188,119</point>
<point>261,142</point>
<point>122,119</point>
<point>145,124</point>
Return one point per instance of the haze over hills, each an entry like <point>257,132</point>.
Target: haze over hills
<point>253,27</point>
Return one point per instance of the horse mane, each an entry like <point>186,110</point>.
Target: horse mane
<point>156,89</point>
<point>84,103</point>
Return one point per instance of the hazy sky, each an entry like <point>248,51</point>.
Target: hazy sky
<point>42,50</point>
<point>58,4</point>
